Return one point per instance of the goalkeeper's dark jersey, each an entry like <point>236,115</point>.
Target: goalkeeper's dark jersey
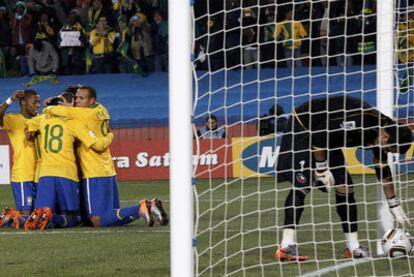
<point>340,121</point>
<point>330,124</point>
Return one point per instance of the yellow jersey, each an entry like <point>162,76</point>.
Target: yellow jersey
<point>38,156</point>
<point>56,143</point>
<point>24,157</point>
<point>406,41</point>
<point>93,163</point>
<point>102,44</point>
<point>291,33</point>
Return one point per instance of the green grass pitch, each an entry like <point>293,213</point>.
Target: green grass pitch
<point>240,245</point>
<point>239,238</point>
<point>130,250</point>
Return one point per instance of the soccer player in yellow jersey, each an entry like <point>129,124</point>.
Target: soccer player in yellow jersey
<point>99,186</point>
<point>58,188</point>
<point>24,157</point>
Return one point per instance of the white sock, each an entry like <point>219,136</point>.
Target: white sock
<point>352,240</point>
<point>289,237</point>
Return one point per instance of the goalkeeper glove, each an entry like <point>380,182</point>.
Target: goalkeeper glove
<point>397,212</point>
<point>324,175</point>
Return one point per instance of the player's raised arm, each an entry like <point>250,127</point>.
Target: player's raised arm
<point>69,112</point>
<point>6,104</point>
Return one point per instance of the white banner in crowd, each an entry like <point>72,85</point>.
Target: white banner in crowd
<point>70,39</point>
<point>4,165</point>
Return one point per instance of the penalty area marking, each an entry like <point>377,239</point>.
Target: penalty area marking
<point>338,266</point>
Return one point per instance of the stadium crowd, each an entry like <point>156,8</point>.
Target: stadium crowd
<point>272,34</point>
<point>109,36</point>
<point>82,36</point>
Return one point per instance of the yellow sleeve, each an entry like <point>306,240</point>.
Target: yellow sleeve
<point>68,112</point>
<point>93,40</point>
<point>79,131</point>
<point>103,143</point>
<point>33,124</point>
<point>55,111</point>
<point>111,37</point>
<point>278,29</point>
<point>115,6</point>
<point>302,30</point>
<point>7,123</point>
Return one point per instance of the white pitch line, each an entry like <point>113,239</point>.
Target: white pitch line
<point>109,230</point>
<point>64,232</point>
<point>250,199</point>
<point>337,267</point>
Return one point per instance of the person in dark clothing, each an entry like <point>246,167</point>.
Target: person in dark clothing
<point>20,26</point>
<point>273,122</point>
<point>311,153</point>
<point>160,42</point>
<point>211,130</point>
<point>5,34</point>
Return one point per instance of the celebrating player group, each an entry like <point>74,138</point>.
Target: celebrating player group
<point>63,174</point>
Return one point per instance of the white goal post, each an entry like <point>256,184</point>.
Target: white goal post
<point>180,127</point>
<point>385,96</point>
<point>227,207</point>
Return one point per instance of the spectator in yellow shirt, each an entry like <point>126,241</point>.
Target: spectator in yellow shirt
<point>291,32</point>
<point>102,42</point>
<point>406,37</point>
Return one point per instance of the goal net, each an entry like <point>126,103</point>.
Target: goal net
<point>253,62</point>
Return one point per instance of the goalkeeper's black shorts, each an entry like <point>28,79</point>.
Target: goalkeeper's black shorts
<point>295,161</point>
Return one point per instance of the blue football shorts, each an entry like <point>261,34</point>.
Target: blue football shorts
<point>99,195</point>
<point>24,194</point>
<point>58,193</point>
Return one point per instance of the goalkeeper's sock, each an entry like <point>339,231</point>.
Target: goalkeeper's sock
<point>118,217</point>
<point>347,211</point>
<point>63,221</point>
<point>289,237</point>
<point>294,208</point>
<point>352,242</point>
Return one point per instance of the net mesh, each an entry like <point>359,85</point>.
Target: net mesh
<point>254,61</point>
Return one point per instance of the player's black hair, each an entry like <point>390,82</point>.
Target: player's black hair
<point>400,136</point>
<point>211,116</point>
<point>72,89</point>
<point>68,96</point>
<point>91,91</point>
<point>54,101</point>
<point>27,94</point>
<point>57,99</point>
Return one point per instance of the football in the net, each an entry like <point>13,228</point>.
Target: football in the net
<point>396,242</point>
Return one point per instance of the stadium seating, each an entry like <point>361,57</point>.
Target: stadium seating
<point>135,101</point>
